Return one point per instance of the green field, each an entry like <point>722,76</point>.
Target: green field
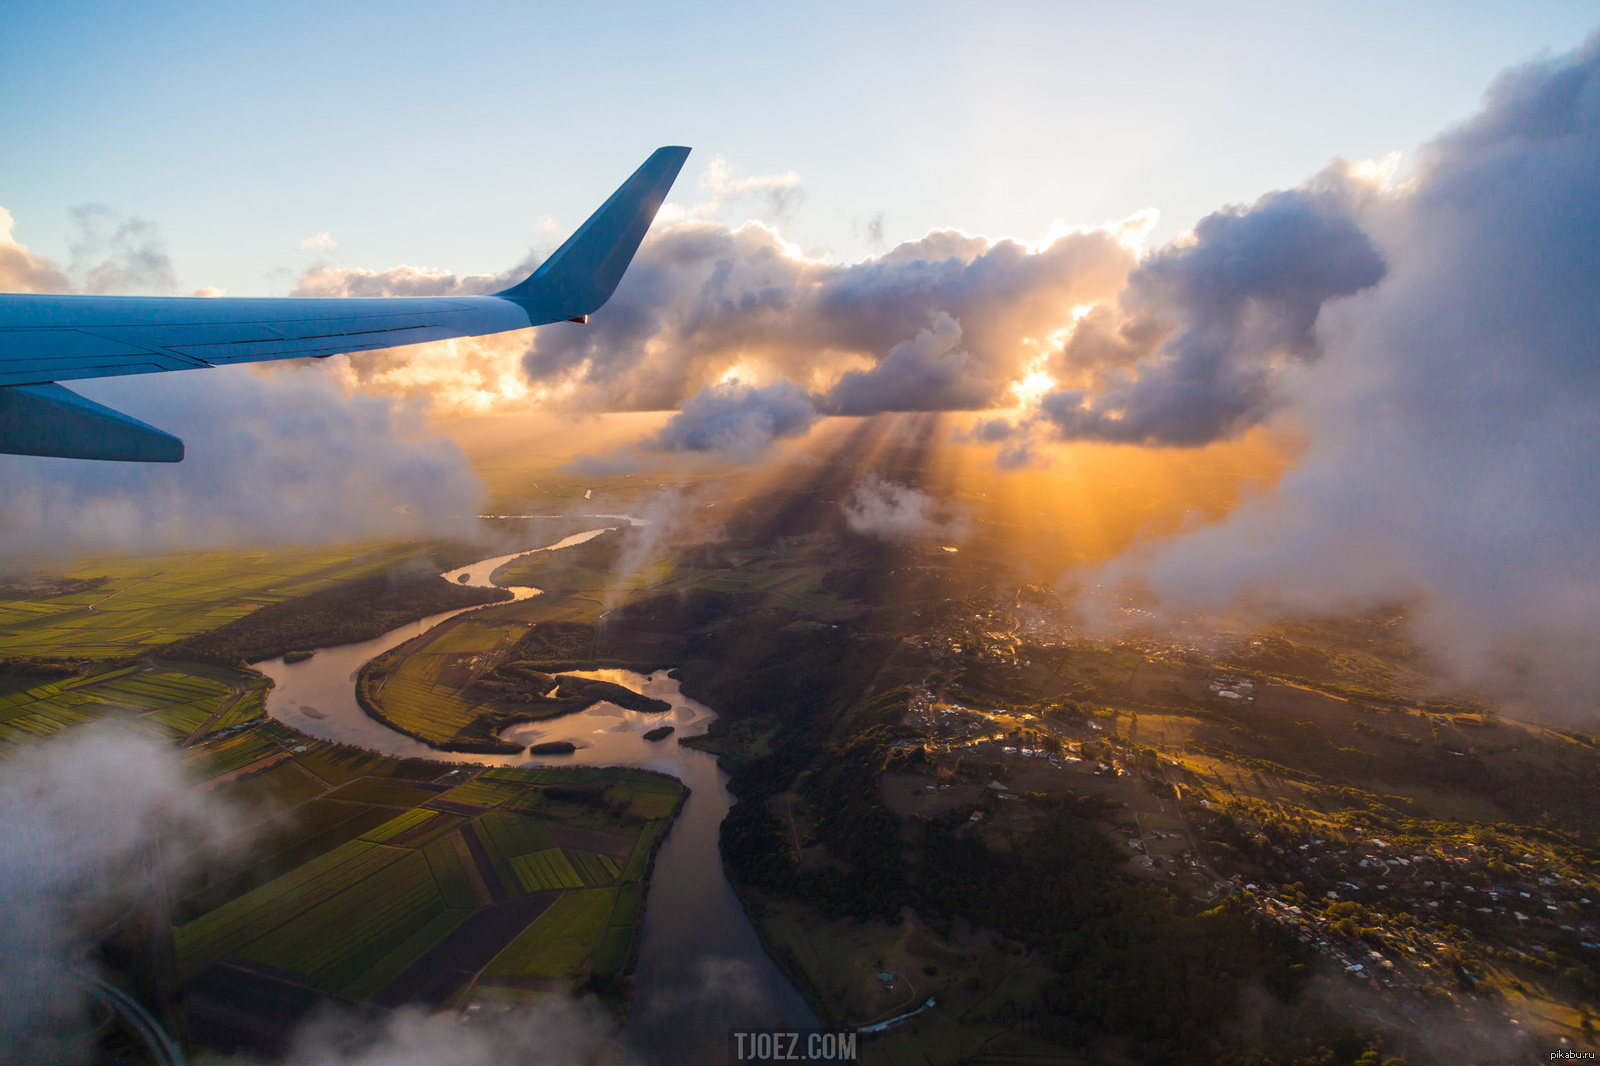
<point>149,602</point>
<point>165,700</point>
<point>560,941</point>
<point>355,878</point>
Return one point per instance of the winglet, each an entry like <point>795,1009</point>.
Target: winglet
<point>50,420</point>
<point>583,272</point>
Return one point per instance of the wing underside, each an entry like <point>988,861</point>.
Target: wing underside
<point>47,338</point>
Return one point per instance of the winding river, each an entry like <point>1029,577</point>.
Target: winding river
<point>701,967</point>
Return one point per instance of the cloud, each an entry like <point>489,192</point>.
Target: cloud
<point>23,271</point>
<point>271,460</point>
<point>894,512</point>
<point>930,372</point>
<point>1206,328</point>
<point>701,300</point>
<point>112,254</point>
<point>736,418</point>
<point>781,191</point>
<point>65,851</point>
<point>555,1032</point>
<point>1453,417</point>
<point>327,280</point>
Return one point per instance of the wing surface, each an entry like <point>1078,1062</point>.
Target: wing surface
<point>51,338</point>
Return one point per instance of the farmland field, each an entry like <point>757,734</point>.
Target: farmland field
<point>356,880</point>
<point>149,602</point>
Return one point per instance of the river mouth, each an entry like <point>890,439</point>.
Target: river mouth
<point>701,969</point>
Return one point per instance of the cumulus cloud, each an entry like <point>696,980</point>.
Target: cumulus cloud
<point>1453,419</point>
<point>945,322</point>
<point>67,854</point>
<point>1207,327</point>
<point>22,270</point>
<point>701,300</point>
<point>894,512</point>
<point>324,279</point>
<point>736,418</point>
<point>781,191</point>
<point>110,255</point>
<point>271,459</point>
<point>930,372</point>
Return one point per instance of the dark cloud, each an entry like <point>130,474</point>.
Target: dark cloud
<point>930,372</point>
<point>1205,327</point>
<point>736,419</point>
<point>1453,420</point>
<point>283,459</point>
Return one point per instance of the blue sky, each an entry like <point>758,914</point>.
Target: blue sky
<point>439,135</point>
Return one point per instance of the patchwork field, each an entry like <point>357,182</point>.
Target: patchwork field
<point>162,700</point>
<point>371,879</point>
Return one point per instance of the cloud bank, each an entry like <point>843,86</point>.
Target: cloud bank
<point>1453,410</point>
<point>271,460</point>
<point>946,322</point>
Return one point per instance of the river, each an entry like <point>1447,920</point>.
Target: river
<point>701,968</point>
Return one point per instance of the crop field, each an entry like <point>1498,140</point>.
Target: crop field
<point>560,941</point>
<point>166,701</point>
<point>149,602</point>
<point>417,700</point>
<point>544,871</point>
<point>234,753</point>
<point>353,881</point>
<point>385,790</point>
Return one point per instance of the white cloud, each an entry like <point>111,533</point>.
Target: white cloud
<point>894,512</point>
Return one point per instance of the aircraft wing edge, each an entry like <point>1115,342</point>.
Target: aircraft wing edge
<point>45,339</point>
<point>49,420</point>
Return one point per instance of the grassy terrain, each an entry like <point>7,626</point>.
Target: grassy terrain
<point>147,603</point>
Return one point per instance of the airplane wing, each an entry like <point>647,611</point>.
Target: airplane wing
<point>45,339</point>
